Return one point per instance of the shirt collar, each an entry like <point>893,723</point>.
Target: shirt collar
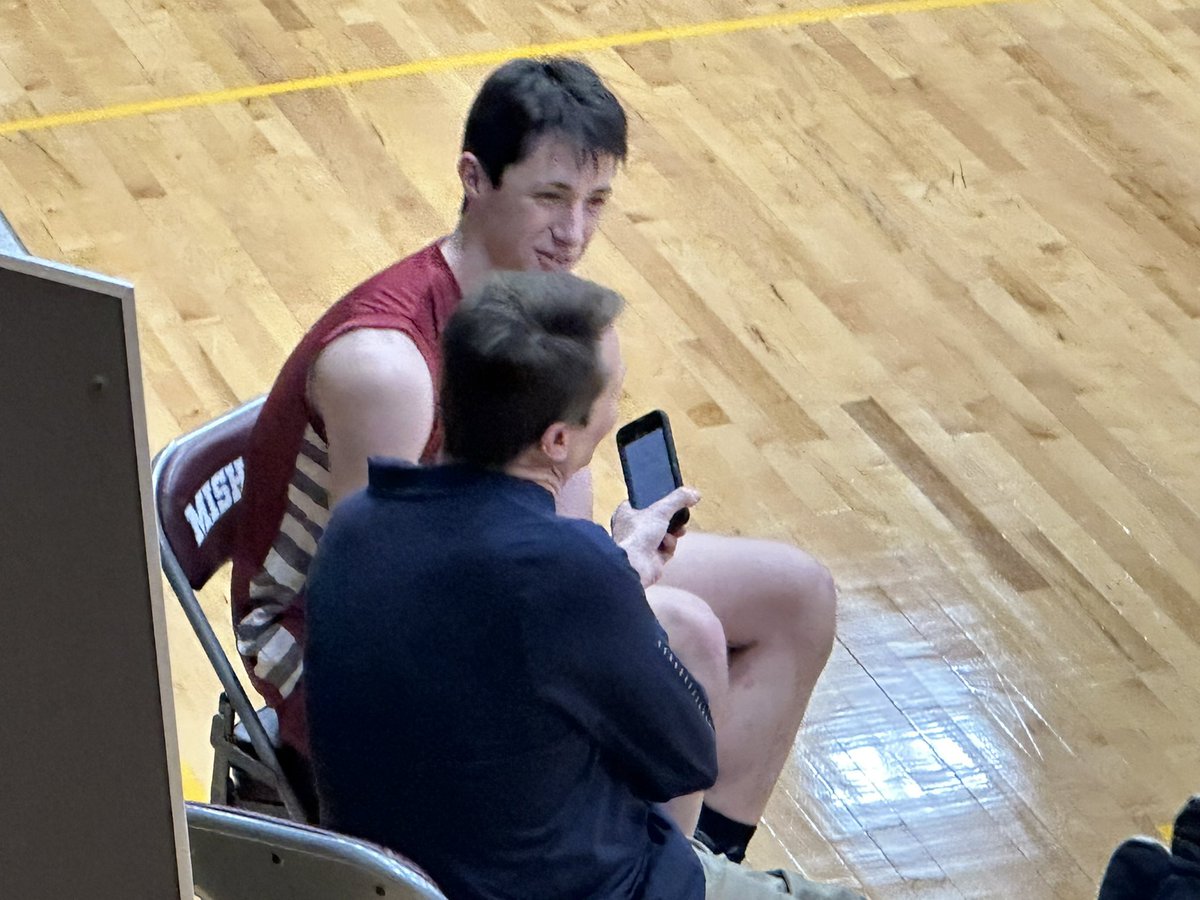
<point>390,476</point>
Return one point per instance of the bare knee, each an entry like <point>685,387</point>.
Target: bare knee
<point>800,604</point>
<point>814,603</point>
<point>696,636</point>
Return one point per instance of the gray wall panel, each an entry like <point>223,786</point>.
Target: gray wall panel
<point>85,781</point>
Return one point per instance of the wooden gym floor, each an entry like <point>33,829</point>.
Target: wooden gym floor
<point>916,281</point>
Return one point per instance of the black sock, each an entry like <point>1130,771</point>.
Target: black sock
<point>723,835</point>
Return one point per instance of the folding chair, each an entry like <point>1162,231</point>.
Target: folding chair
<point>197,485</point>
<point>239,855</point>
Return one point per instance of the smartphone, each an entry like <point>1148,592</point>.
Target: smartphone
<point>649,463</point>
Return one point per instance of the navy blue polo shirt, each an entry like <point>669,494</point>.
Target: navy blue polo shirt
<point>490,694</point>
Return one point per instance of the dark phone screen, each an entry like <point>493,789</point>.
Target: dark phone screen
<point>650,475</point>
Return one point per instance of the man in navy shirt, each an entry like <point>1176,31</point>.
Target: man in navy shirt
<point>488,691</point>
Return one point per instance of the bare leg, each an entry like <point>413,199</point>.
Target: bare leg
<point>777,606</point>
<point>698,640</point>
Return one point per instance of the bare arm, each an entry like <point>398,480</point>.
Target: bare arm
<point>373,390</point>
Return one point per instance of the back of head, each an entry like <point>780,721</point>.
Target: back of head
<point>521,353</point>
<point>528,98</point>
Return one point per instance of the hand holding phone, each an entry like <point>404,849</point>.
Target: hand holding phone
<point>649,463</point>
<point>643,534</point>
<point>647,526</point>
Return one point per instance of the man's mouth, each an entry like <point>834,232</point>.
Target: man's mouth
<point>552,261</point>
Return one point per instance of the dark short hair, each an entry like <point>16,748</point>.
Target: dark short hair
<point>521,353</point>
<point>528,98</point>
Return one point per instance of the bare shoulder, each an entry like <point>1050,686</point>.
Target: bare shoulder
<point>371,364</point>
<point>374,393</point>
<point>367,351</point>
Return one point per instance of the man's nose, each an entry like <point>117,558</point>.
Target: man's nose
<point>568,229</point>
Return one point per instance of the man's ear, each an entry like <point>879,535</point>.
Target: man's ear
<point>556,442</point>
<point>472,175</point>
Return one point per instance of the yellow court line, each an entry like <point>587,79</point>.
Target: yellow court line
<point>490,58</point>
<point>193,787</point>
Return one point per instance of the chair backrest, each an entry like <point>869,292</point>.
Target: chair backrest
<point>197,488</point>
<point>240,855</point>
<point>197,484</point>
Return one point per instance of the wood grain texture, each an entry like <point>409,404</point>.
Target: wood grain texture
<point>920,293</point>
